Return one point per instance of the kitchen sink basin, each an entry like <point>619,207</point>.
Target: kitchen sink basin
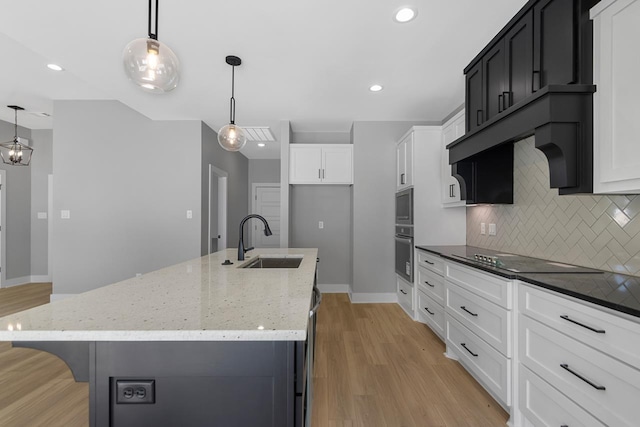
<point>275,261</point>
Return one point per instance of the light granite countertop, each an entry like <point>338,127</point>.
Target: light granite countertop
<point>197,300</point>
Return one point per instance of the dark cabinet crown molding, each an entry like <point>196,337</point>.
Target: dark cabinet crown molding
<point>533,78</point>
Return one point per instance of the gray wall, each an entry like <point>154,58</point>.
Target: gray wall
<point>237,166</point>
<point>128,184</point>
<point>264,170</point>
<point>41,167</point>
<point>332,205</point>
<point>374,153</point>
<point>17,211</point>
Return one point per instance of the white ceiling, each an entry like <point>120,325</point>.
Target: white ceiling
<point>310,62</point>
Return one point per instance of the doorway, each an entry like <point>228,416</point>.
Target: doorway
<point>265,201</point>
<point>217,227</point>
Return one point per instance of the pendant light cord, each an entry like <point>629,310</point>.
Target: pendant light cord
<point>153,36</point>
<point>15,128</point>
<point>232,104</point>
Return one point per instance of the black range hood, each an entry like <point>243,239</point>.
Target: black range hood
<point>534,78</point>
<point>561,119</point>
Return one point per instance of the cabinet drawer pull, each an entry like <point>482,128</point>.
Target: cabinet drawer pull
<point>401,290</point>
<point>428,262</point>
<point>465,309</point>
<point>470,352</point>
<point>506,100</point>
<point>429,311</point>
<point>597,331</point>
<point>536,81</point>
<point>591,383</point>
<point>429,284</point>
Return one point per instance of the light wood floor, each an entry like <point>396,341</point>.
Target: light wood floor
<point>36,388</point>
<point>374,367</point>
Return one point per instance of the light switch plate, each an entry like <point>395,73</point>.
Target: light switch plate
<point>42,215</point>
<point>492,229</point>
<point>321,224</point>
<point>189,214</point>
<point>65,214</point>
<point>483,228</point>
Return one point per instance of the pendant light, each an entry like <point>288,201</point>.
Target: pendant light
<point>232,137</point>
<point>14,152</point>
<point>150,64</point>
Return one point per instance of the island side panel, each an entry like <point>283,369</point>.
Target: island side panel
<point>197,383</point>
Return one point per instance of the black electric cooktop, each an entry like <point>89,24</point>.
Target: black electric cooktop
<point>523,264</point>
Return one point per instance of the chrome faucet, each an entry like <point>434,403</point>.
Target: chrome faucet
<point>267,232</point>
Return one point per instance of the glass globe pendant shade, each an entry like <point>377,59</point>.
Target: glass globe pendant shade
<point>151,65</point>
<point>232,137</point>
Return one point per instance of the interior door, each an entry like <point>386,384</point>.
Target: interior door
<point>266,202</point>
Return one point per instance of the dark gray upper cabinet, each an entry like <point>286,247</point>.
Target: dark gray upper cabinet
<point>519,61</point>
<point>534,78</point>
<point>554,38</point>
<point>474,98</point>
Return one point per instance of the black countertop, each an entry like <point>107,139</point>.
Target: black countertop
<point>615,291</point>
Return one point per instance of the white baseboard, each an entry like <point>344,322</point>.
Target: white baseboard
<point>333,289</point>
<point>382,297</point>
<point>24,280</point>
<point>59,297</point>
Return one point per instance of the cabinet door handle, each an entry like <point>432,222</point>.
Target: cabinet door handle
<point>429,284</point>
<point>478,117</point>
<point>506,100</point>
<point>402,290</point>
<point>452,190</point>
<point>401,178</point>
<point>536,81</point>
<point>591,383</point>
<point>597,331</point>
<point>465,309</point>
<point>500,104</point>
<point>471,352</point>
<point>323,175</point>
<point>319,174</point>
<point>429,311</point>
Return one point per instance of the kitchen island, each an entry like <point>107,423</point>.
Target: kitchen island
<point>197,343</point>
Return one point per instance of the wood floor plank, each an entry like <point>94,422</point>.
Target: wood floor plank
<point>377,367</point>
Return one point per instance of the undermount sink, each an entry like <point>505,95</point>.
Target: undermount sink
<point>274,261</point>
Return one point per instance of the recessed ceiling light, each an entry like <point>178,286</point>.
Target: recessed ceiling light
<point>54,67</point>
<point>261,144</point>
<point>405,14</point>
<point>375,88</point>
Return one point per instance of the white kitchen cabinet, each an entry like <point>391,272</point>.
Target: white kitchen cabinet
<point>451,130</point>
<point>404,162</point>
<point>321,164</point>
<point>430,291</point>
<point>479,319</point>
<point>616,109</point>
<point>588,355</point>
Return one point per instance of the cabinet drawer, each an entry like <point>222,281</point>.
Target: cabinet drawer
<point>431,284</point>
<point>490,287</point>
<point>405,295</point>
<point>485,319</point>
<point>431,262</point>
<point>620,339</point>
<point>431,313</point>
<point>577,370</point>
<point>487,365</point>
<point>543,405</point>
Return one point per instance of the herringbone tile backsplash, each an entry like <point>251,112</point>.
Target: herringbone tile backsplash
<point>600,232</point>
